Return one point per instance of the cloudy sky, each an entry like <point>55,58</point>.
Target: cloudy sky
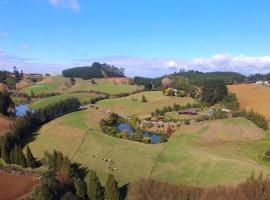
<point>147,37</point>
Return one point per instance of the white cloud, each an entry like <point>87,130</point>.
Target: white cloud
<point>25,47</point>
<point>3,34</point>
<point>151,67</point>
<point>71,4</point>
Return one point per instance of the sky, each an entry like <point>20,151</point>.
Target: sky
<point>147,37</point>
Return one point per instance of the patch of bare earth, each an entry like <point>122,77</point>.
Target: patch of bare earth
<point>16,186</point>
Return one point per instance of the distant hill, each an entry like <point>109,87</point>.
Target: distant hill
<point>194,77</point>
<point>97,70</point>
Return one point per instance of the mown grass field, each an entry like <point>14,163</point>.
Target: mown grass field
<point>254,97</point>
<point>41,103</point>
<point>104,86</point>
<point>133,105</point>
<point>214,152</point>
<point>47,85</point>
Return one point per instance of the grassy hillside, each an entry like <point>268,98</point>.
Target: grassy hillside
<point>48,84</point>
<point>216,152</point>
<point>104,85</point>
<point>133,105</point>
<point>41,103</point>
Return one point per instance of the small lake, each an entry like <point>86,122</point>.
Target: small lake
<point>155,138</point>
<point>21,110</point>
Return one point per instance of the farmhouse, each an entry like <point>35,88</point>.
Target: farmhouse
<point>190,111</point>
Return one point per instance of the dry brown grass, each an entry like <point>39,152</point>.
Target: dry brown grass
<point>15,186</point>
<point>251,96</point>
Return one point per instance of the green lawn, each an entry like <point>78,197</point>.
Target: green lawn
<point>188,157</point>
<point>49,84</point>
<point>104,86</point>
<point>132,105</point>
<point>41,103</point>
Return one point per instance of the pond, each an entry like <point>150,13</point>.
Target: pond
<point>155,138</point>
<point>21,110</point>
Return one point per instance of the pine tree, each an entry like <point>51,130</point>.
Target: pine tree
<point>30,160</point>
<point>95,190</point>
<point>4,151</point>
<point>22,158</point>
<point>80,187</point>
<point>111,189</point>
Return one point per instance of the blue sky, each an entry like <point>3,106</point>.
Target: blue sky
<point>148,37</point>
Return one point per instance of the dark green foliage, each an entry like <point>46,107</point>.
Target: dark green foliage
<point>80,187</point>
<point>108,125</point>
<point>144,99</point>
<point>30,160</point>
<point>97,70</point>
<point>17,156</point>
<point>214,91</point>
<point>57,162</point>
<point>94,188</point>
<point>69,196</point>
<point>148,83</point>
<point>231,102</point>
<point>5,103</point>
<point>256,118</point>
<point>267,155</point>
<point>47,188</point>
<point>5,150</point>
<point>8,79</point>
<point>138,136</point>
<point>198,78</point>
<point>111,189</point>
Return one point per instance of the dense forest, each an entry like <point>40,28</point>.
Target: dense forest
<point>97,70</point>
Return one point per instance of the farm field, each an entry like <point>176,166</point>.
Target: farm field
<point>215,152</point>
<point>4,125</point>
<point>41,103</point>
<point>132,105</point>
<point>48,84</point>
<point>15,186</point>
<point>254,97</point>
<point>111,86</point>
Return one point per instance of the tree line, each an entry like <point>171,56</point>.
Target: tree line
<point>96,70</point>
<point>66,181</point>
<point>22,129</point>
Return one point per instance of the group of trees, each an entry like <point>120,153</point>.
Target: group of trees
<point>97,70</point>
<point>64,181</point>
<point>16,155</point>
<point>5,103</point>
<point>213,91</point>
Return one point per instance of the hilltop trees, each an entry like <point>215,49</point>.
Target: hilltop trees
<point>97,70</point>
